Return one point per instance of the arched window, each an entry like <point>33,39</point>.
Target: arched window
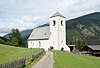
<point>39,44</point>
<point>33,44</point>
<point>54,22</point>
<point>61,23</point>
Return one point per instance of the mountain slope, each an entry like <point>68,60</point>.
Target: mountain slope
<point>24,33</point>
<point>87,26</point>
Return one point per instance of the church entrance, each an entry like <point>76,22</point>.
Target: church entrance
<point>62,49</point>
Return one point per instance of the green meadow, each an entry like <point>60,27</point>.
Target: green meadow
<point>70,60</point>
<point>10,53</point>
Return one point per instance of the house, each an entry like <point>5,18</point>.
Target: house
<point>92,50</point>
<point>72,47</point>
<point>53,35</point>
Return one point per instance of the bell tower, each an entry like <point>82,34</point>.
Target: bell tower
<point>58,32</point>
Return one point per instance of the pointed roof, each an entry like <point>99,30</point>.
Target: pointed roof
<point>57,14</point>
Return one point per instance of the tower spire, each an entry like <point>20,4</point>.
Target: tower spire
<point>57,14</point>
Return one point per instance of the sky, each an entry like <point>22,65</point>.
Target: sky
<point>27,14</point>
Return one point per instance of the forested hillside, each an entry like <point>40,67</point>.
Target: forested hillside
<point>88,27</point>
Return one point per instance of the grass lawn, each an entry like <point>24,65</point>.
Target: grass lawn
<point>10,53</point>
<point>69,60</point>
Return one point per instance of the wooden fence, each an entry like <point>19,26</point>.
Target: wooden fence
<point>37,55</point>
<point>14,64</point>
<point>19,62</point>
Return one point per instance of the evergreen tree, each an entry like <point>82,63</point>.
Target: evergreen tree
<point>2,41</point>
<point>15,38</point>
<point>14,41</point>
<point>80,43</point>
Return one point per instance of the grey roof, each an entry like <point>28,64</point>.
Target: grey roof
<point>57,14</point>
<point>41,33</point>
<point>94,47</point>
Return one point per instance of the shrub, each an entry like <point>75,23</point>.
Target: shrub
<point>2,41</point>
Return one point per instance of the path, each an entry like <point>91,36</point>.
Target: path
<point>46,62</point>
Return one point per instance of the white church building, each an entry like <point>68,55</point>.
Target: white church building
<point>53,35</point>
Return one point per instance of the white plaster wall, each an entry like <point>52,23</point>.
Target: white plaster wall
<point>58,34</point>
<point>54,33</point>
<point>30,44</point>
<point>61,32</point>
<point>62,35</point>
<point>36,44</point>
<point>45,44</point>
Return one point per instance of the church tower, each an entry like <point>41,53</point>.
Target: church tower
<point>58,32</point>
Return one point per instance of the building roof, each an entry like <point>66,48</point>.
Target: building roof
<point>41,33</point>
<point>57,14</point>
<point>94,47</point>
<point>71,45</point>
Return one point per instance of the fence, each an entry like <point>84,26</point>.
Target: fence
<point>14,64</point>
<point>37,55</point>
<point>19,62</point>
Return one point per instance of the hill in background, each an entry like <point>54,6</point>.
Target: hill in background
<point>87,27</point>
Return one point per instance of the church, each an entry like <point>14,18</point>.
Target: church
<point>50,36</point>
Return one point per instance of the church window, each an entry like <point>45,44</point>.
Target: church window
<point>39,44</point>
<point>54,22</point>
<point>61,23</point>
<point>33,44</point>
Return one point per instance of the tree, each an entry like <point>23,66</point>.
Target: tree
<point>80,43</point>
<point>15,38</point>
<point>2,41</point>
<point>18,35</point>
<point>14,41</point>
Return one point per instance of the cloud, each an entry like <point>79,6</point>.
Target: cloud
<point>27,22</point>
<point>45,8</point>
<point>28,14</point>
<point>76,8</point>
<point>4,27</point>
<point>23,23</point>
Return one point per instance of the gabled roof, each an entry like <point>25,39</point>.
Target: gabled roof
<point>41,33</point>
<point>57,14</point>
<point>94,47</point>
